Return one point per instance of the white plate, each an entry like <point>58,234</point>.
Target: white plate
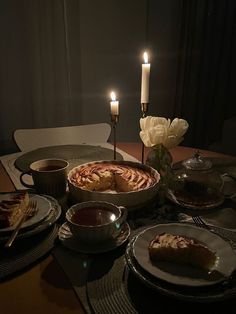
<point>47,222</point>
<point>43,206</point>
<point>74,244</point>
<point>182,274</point>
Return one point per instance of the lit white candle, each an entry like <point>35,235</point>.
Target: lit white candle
<point>114,104</point>
<point>145,80</point>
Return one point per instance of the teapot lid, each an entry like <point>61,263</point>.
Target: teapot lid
<point>197,162</point>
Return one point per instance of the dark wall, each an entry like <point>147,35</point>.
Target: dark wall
<point>60,59</point>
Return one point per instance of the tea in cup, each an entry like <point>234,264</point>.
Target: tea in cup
<point>49,176</point>
<point>96,222</point>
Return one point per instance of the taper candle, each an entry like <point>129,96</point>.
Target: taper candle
<point>114,104</point>
<point>145,80</point>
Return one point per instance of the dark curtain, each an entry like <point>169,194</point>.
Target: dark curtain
<point>39,66</point>
<point>60,59</point>
<point>205,94</point>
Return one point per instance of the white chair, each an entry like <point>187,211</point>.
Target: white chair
<point>30,139</point>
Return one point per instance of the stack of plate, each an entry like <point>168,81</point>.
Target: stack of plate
<point>48,212</point>
<point>180,281</point>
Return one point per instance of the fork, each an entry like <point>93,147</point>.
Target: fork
<point>199,222</point>
<point>31,208</point>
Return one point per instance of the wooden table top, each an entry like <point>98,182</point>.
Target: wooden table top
<point>44,288</point>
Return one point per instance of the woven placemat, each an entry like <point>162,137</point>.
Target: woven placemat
<point>25,252</point>
<point>76,266</point>
<point>74,154</point>
<point>105,287</point>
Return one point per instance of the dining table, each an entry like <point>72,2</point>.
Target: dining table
<point>43,286</point>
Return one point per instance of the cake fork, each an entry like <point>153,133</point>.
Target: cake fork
<point>31,208</point>
<point>199,222</point>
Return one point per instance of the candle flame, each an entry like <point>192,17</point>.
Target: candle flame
<point>113,96</point>
<point>145,57</point>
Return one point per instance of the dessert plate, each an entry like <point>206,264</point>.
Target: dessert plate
<point>183,274</point>
<point>74,244</point>
<point>219,292</point>
<point>43,206</point>
<point>50,220</point>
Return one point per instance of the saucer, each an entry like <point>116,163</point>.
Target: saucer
<point>219,199</point>
<point>75,244</point>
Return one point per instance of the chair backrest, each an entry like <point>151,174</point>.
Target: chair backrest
<point>29,139</point>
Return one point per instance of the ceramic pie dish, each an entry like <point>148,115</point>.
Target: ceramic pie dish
<point>123,183</point>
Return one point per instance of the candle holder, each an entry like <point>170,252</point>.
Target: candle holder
<point>144,108</point>
<point>114,121</point>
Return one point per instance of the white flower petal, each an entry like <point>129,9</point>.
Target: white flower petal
<point>178,127</point>
<point>160,121</point>
<point>172,141</point>
<point>159,130</point>
<point>145,138</point>
<point>146,123</point>
<point>142,123</point>
<point>158,134</point>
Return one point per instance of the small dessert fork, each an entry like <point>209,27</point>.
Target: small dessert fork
<point>199,222</point>
<point>31,208</point>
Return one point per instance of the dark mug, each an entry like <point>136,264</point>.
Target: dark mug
<point>49,176</point>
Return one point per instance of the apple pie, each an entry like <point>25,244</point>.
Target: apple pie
<point>12,208</point>
<point>181,250</point>
<point>112,177</point>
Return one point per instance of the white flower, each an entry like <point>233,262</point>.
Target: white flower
<point>158,130</point>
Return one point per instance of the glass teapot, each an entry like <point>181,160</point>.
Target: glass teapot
<point>196,184</point>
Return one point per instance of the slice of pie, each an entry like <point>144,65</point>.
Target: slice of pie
<point>12,208</point>
<point>181,250</point>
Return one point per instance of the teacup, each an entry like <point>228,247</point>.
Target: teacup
<point>49,176</point>
<point>96,222</point>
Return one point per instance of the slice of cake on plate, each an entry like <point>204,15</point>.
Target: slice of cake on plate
<point>181,250</point>
<point>12,208</point>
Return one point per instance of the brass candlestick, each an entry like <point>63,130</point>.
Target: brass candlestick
<point>144,108</point>
<point>114,121</point>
